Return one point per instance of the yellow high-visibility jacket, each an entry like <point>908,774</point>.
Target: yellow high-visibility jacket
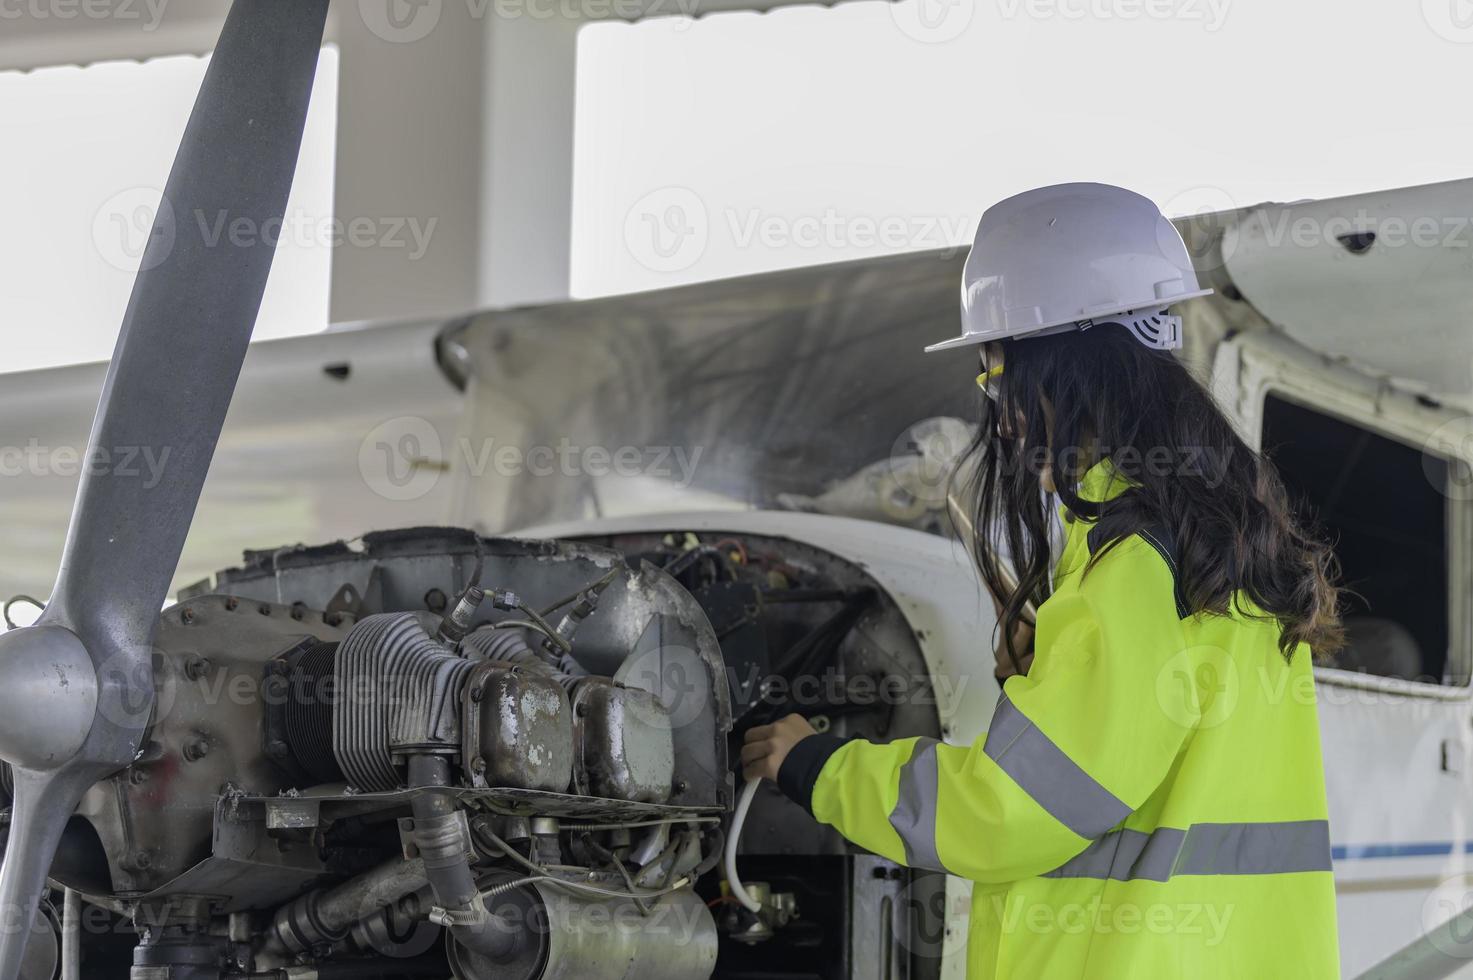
<point>1148,802</point>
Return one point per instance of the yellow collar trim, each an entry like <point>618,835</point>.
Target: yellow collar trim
<point>1102,482</point>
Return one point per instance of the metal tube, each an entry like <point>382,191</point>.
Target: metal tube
<point>360,897</point>
<point>71,936</point>
<point>354,971</point>
<point>325,916</point>
<point>601,938</point>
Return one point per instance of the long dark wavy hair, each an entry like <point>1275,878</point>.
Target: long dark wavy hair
<point>1069,400</point>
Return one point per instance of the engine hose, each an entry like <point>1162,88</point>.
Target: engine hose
<point>733,880</point>
<point>442,848</point>
<point>323,917</point>
<point>438,836</point>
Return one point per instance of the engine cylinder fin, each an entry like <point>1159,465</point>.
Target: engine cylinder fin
<point>397,694</point>
<point>310,700</point>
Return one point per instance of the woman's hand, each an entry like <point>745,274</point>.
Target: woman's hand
<point>768,745</point>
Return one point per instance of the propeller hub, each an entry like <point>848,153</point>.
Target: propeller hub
<point>48,696</point>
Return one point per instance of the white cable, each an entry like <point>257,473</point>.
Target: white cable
<point>737,820</point>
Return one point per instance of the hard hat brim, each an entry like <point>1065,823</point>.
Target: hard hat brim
<point>972,339</point>
<point>962,341</point>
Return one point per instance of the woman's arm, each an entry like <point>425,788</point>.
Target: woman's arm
<point>1074,747</point>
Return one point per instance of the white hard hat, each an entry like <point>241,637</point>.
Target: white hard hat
<point>1069,256</point>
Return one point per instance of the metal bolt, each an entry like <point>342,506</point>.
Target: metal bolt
<point>232,603</point>
<point>478,765</point>
<point>196,749</point>
<point>435,601</point>
<point>186,615</point>
<point>477,693</point>
<point>264,609</point>
<point>196,667</point>
<point>137,776</point>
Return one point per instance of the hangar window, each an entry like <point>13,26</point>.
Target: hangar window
<point>1385,507</point>
<point>91,148</point>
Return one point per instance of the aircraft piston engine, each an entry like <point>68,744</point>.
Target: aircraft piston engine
<point>504,714</point>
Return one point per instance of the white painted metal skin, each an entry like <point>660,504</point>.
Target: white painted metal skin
<point>290,463</point>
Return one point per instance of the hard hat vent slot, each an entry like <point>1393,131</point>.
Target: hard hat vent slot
<point>1157,330</point>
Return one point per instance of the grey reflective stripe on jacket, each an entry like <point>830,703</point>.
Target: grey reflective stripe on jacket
<point>1204,849</point>
<point>1034,762</point>
<point>1077,801</point>
<point>914,816</point>
<point>1044,772</point>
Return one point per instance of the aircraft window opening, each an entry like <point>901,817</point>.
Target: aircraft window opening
<point>1384,506</point>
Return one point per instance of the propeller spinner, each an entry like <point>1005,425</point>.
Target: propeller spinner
<point>77,688</point>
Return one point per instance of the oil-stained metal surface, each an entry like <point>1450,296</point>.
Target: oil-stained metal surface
<point>247,864</point>
<point>519,729</point>
<point>625,742</point>
<point>154,818</point>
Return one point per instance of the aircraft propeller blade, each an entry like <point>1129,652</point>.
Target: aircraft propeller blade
<point>77,688</point>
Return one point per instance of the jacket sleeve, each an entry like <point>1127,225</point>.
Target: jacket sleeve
<point>1073,749</point>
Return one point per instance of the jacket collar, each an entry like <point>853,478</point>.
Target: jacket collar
<point>1100,482</point>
